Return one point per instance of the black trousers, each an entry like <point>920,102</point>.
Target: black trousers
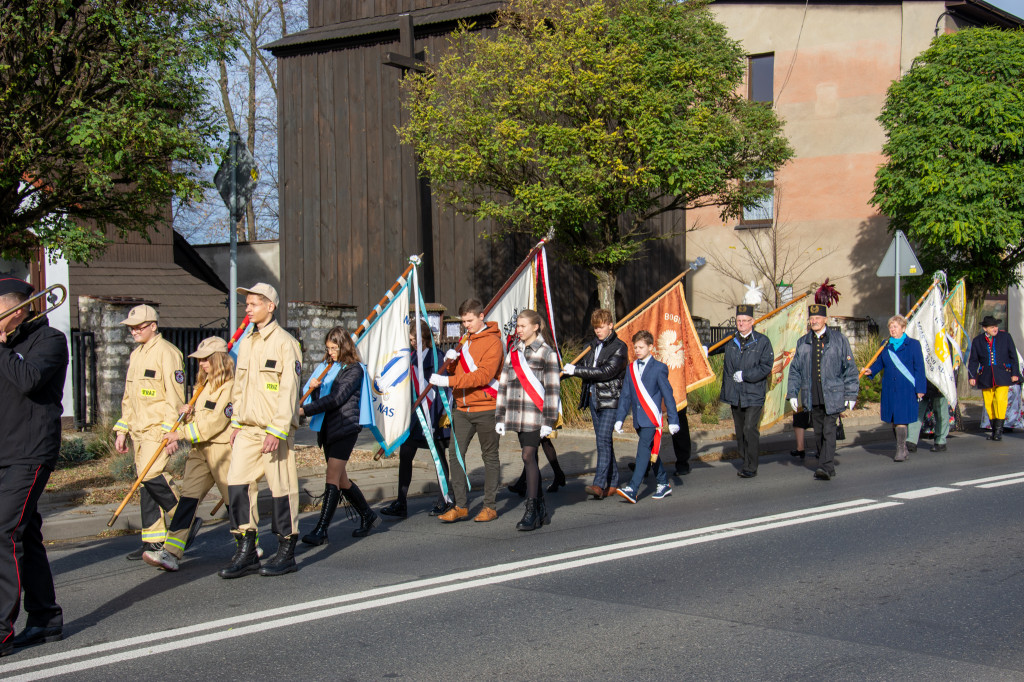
<point>824,426</point>
<point>746,421</point>
<point>681,441</point>
<point>23,563</point>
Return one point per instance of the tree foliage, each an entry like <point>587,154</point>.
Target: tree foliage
<point>103,112</point>
<point>954,181</point>
<point>592,116</point>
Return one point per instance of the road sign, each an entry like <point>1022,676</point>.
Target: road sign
<point>245,178</point>
<point>909,267</point>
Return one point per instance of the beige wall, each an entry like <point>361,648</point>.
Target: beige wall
<point>837,79</point>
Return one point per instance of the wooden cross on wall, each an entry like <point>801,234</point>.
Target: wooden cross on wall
<point>408,59</point>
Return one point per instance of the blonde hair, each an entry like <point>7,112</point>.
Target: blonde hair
<point>222,370</point>
<point>898,319</point>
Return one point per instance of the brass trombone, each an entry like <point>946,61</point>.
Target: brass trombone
<point>35,297</point>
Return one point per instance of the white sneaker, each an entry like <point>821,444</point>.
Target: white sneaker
<point>162,559</point>
<point>663,491</point>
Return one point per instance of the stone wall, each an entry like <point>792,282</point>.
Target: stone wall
<point>114,344</point>
<point>314,320</point>
<point>857,329</point>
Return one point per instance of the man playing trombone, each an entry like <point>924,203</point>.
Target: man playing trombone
<point>33,365</point>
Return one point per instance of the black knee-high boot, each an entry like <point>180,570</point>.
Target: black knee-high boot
<point>368,518</point>
<point>318,535</point>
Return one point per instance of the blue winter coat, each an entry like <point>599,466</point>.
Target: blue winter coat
<point>899,396</point>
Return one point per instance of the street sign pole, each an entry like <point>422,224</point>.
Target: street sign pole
<point>898,235</point>
<point>233,218</point>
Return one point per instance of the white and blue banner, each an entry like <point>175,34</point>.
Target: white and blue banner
<point>384,347</point>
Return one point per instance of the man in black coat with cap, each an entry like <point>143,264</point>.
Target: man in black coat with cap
<point>33,365</point>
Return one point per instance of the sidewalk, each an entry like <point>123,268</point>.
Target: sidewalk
<point>379,480</point>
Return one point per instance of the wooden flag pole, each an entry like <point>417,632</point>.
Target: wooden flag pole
<point>909,315</point>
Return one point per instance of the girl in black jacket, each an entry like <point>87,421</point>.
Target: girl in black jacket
<point>334,408</point>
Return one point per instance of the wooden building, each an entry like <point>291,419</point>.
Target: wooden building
<point>350,199</point>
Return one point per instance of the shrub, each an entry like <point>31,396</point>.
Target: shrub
<point>704,400</point>
<point>870,388</point>
<point>75,451</point>
<point>122,467</point>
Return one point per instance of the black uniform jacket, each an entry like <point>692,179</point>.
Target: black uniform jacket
<point>995,366</point>
<point>33,365</point>
<point>604,373</point>
<point>340,406</point>
<point>755,360</point>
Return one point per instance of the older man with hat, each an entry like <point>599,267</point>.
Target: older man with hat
<point>266,414</point>
<point>33,364</point>
<point>992,367</point>
<point>823,379</point>
<point>748,362</point>
<point>154,392</point>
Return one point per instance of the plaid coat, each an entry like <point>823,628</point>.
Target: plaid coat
<point>514,408</point>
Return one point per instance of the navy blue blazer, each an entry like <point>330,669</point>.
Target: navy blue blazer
<point>655,380</point>
<point>995,366</point>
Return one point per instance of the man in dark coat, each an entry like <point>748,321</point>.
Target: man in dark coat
<point>992,367</point>
<point>824,376</point>
<point>748,362</point>
<point>33,365</point>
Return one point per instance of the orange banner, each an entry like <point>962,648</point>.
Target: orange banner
<point>676,342</point>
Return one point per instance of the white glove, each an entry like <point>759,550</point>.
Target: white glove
<point>569,369</point>
<point>545,431</point>
<point>673,429</point>
<point>499,428</point>
<point>704,349</point>
<point>451,355</point>
<point>738,377</point>
<point>850,404</point>
<point>438,380</point>
<point>795,403</point>
<point>618,427</point>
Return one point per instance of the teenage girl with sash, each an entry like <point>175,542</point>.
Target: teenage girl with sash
<point>333,408</point>
<point>903,384</point>
<point>527,404</point>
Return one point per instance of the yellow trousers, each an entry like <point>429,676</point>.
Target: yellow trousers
<point>995,401</point>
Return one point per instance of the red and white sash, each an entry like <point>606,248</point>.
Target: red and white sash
<point>649,407</point>
<point>468,365</point>
<point>418,384</point>
<point>531,384</point>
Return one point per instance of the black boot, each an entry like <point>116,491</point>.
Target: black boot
<point>396,509</point>
<point>519,487</point>
<point>368,518</point>
<point>997,430</point>
<point>318,536</point>
<point>245,560</point>
<point>531,519</point>
<point>542,511</point>
<point>559,481</point>
<point>284,561</point>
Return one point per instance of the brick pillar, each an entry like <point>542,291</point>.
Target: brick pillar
<point>314,320</point>
<point>114,344</point>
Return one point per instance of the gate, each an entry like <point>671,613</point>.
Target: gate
<point>83,378</point>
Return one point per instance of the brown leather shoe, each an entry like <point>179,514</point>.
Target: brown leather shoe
<point>486,514</point>
<point>610,490</point>
<point>454,514</point>
<point>598,493</point>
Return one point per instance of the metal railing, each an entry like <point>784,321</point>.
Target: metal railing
<point>83,378</point>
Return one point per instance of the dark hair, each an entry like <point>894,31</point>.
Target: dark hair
<point>645,336</point>
<point>425,331</point>
<point>348,354</point>
<point>471,306</point>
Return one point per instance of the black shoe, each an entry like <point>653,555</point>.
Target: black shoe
<point>743,473</point>
<point>531,519</point>
<point>939,447</point>
<point>823,475</point>
<point>519,487</point>
<point>284,561</point>
<point>682,469</point>
<point>33,635</point>
<point>798,453</point>
<point>399,510</point>
<point>318,536</point>
<point>559,482</point>
<point>441,506</point>
<point>368,519</point>
<point>6,648</point>
<point>911,447</point>
<point>193,530</point>
<point>245,560</point>
<point>145,547</point>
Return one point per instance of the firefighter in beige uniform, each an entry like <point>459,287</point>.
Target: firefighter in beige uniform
<point>154,391</point>
<point>266,414</point>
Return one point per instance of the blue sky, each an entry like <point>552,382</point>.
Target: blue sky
<point>1011,6</point>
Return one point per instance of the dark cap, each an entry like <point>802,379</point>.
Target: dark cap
<point>817,309</point>
<point>9,284</point>
<point>745,309</point>
<point>990,321</point>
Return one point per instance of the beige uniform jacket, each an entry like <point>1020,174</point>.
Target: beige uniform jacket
<point>266,392</point>
<point>153,390</point>
<point>212,416</point>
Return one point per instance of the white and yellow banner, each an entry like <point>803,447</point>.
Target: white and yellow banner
<point>928,326</point>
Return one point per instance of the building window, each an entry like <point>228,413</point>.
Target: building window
<point>761,78</point>
<point>762,213</point>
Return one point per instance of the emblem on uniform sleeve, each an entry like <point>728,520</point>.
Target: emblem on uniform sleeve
<point>179,376</point>
<point>298,368</point>
<point>228,411</point>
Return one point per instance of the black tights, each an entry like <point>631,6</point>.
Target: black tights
<point>549,452</point>
<point>531,471</point>
<point>406,454</point>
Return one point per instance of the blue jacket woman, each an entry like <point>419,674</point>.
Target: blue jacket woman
<point>903,382</point>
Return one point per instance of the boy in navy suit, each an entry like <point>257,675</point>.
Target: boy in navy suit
<point>644,390</point>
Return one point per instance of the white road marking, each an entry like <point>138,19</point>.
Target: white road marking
<point>153,643</point>
<point>999,484</point>
<point>923,492</point>
<point>978,481</point>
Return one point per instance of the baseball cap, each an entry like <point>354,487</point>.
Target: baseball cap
<point>262,289</point>
<point>141,314</point>
<point>208,347</point>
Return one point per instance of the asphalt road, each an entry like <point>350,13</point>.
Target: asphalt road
<point>890,571</point>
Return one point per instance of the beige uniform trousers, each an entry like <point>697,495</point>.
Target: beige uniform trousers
<point>207,465</point>
<point>162,496</point>
<point>248,464</point>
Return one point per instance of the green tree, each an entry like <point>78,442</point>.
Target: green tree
<point>104,116</point>
<point>590,117</point>
<point>954,180</point>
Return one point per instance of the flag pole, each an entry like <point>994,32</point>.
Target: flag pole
<point>909,315</point>
<point>762,319</point>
